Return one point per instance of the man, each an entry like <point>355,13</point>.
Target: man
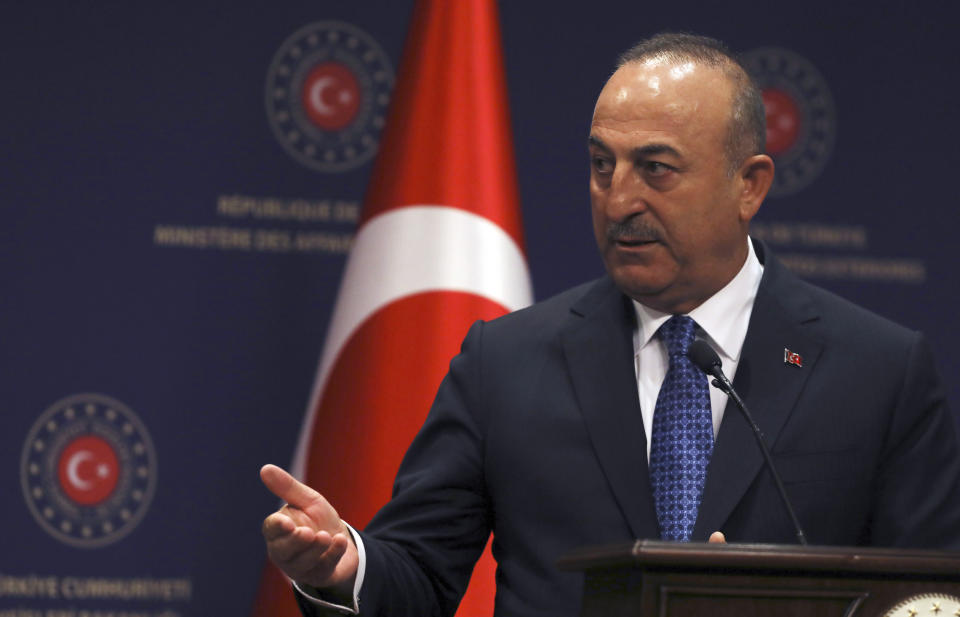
<point>578,422</point>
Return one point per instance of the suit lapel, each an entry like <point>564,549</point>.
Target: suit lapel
<point>599,352</point>
<point>769,386</point>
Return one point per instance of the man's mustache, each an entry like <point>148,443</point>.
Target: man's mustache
<point>633,229</point>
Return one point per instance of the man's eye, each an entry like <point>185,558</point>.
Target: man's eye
<point>601,165</point>
<point>655,168</point>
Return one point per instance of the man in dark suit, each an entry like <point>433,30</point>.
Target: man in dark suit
<point>549,428</point>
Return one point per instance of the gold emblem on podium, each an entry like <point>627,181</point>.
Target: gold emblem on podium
<point>922,605</point>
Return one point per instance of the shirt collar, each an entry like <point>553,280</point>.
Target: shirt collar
<point>723,317</point>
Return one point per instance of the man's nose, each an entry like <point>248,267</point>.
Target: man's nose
<point>628,193</point>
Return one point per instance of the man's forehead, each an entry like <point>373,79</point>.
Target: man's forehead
<point>672,91</point>
<point>657,70</point>
<point>660,76</point>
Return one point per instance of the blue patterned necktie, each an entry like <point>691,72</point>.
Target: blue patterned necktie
<point>682,438</point>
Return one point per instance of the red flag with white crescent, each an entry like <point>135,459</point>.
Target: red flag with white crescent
<point>439,246</point>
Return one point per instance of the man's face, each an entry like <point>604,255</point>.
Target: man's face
<point>667,215</point>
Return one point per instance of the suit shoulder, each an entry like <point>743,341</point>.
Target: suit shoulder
<point>845,319</point>
<point>544,318</point>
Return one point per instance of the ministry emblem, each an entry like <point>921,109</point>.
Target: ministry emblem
<point>327,93</point>
<point>88,470</point>
<point>801,118</point>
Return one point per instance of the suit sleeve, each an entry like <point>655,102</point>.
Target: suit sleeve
<point>422,546</point>
<point>917,496</point>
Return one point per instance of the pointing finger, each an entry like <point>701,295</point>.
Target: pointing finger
<point>288,488</point>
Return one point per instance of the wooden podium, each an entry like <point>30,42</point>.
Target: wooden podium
<point>667,579</point>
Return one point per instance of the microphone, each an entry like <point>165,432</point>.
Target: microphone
<point>707,360</point>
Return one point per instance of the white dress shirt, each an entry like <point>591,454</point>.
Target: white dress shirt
<point>722,320</point>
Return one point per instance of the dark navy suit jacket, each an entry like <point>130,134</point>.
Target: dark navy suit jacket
<point>536,435</point>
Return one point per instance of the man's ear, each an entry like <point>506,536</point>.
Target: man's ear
<point>756,176</point>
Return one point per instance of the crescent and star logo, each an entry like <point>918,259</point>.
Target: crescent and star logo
<point>88,470</point>
<point>331,96</point>
<point>801,118</point>
<point>327,93</point>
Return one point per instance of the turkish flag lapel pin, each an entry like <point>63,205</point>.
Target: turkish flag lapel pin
<point>791,357</point>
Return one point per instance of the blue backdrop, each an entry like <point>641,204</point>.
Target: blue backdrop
<point>169,266</point>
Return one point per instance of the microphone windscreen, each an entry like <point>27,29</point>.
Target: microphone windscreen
<point>703,355</point>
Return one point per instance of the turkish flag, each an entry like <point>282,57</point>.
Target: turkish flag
<point>439,246</point>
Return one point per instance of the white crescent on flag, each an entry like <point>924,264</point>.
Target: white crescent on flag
<point>412,250</point>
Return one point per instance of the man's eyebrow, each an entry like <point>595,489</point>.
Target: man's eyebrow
<point>641,152</point>
<point>655,149</point>
<point>596,142</point>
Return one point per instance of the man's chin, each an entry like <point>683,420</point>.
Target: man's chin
<point>640,283</point>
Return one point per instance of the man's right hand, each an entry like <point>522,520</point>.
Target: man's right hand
<point>306,538</point>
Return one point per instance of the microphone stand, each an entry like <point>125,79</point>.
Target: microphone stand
<point>708,362</point>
